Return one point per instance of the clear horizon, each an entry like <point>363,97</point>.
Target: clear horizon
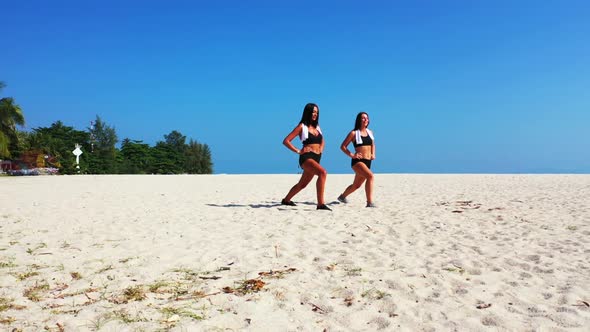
<point>451,87</point>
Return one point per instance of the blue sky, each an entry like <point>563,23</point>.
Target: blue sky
<point>450,86</point>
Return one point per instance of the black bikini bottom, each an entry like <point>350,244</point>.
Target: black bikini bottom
<point>309,155</point>
<point>364,161</point>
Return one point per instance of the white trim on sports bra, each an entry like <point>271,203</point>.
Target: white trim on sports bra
<point>305,132</point>
<point>359,139</point>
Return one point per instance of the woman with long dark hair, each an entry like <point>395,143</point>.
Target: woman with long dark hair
<point>310,154</point>
<point>364,146</point>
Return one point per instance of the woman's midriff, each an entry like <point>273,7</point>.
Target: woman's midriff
<point>315,148</point>
<point>365,150</point>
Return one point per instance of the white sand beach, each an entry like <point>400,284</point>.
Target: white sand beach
<point>219,253</point>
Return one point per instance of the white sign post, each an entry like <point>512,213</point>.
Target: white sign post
<point>77,152</point>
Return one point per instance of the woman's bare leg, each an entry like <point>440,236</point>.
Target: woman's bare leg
<point>362,174</point>
<point>313,167</point>
<point>362,170</point>
<point>356,183</point>
<point>303,182</point>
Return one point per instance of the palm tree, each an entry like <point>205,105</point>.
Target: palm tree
<point>10,116</point>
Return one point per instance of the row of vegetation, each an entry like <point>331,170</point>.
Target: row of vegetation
<point>52,147</point>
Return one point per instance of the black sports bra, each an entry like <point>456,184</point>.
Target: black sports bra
<point>313,139</point>
<point>367,140</point>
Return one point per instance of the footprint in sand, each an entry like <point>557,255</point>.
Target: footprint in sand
<point>533,258</point>
<point>490,321</point>
<point>380,323</point>
<point>537,269</point>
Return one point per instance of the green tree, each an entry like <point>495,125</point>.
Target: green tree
<point>168,156</point>
<point>24,138</point>
<point>11,115</point>
<point>176,141</point>
<point>135,157</point>
<point>103,153</point>
<point>59,141</point>
<point>198,158</point>
<point>206,160</point>
<point>165,160</point>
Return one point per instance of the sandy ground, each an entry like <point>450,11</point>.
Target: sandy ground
<point>219,253</point>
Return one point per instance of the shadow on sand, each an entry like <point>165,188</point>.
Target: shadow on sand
<point>267,205</point>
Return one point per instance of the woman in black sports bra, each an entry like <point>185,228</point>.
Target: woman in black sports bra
<point>310,133</point>
<point>364,146</point>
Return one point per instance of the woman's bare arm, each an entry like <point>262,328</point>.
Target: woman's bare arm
<point>287,141</point>
<point>344,145</point>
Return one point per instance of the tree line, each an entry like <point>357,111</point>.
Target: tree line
<point>172,155</point>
